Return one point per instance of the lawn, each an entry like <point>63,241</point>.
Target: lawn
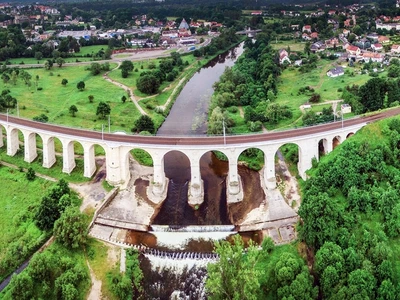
<point>17,203</point>
<point>292,44</point>
<point>55,99</point>
<point>81,56</point>
<point>291,80</point>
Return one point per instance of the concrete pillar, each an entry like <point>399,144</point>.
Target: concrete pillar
<point>68,156</point>
<point>196,188</point>
<point>1,137</point>
<point>269,169</point>
<point>49,153</point>
<point>233,177</point>
<point>89,161</point>
<point>307,151</point>
<point>30,146</point>
<point>117,163</point>
<point>159,180</point>
<point>12,141</point>
<point>234,191</point>
<point>327,145</point>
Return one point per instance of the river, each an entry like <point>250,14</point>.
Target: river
<point>188,115</point>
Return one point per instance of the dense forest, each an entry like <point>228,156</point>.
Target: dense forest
<point>348,236</point>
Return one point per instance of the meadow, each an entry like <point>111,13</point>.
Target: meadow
<point>291,80</point>
<point>85,54</point>
<point>48,96</point>
<point>19,235</point>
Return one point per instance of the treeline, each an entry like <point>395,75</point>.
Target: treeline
<point>250,83</point>
<point>375,94</point>
<point>123,11</point>
<point>351,216</point>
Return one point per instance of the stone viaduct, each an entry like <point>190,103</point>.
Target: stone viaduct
<point>21,133</point>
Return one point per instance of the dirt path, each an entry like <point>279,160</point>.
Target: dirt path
<point>126,88</point>
<point>95,289</point>
<point>288,184</point>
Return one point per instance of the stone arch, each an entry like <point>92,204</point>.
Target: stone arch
<point>253,158</point>
<point>287,155</point>
<point>142,156</point>
<point>177,164</point>
<point>323,147</point>
<point>90,150</point>
<point>13,140</point>
<point>349,135</point>
<point>336,141</point>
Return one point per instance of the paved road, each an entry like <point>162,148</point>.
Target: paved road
<point>202,140</point>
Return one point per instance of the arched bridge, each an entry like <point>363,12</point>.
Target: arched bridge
<point>117,148</point>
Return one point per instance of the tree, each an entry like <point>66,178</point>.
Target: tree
<point>73,110</point>
<point>372,94</point>
<point>41,118</point>
<point>91,98</point>
<point>123,99</point>
<point>30,174</point>
<point>48,64</point>
<point>126,65</point>
<point>38,55</point>
<point>60,61</point>
<point>71,228</point>
<point>21,286</point>
<point>234,276</point>
<point>103,109</point>
<point>80,85</point>
<point>64,82</point>
<point>144,123</point>
<point>148,84</point>
<point>95,68</point>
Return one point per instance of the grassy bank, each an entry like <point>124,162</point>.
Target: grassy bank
<point>19,235</point>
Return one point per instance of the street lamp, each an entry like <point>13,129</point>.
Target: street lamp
<point>109,124</point>
<point>223,128</point>
<point>7,115</point>
<point>102,132</point>
<point>341,110</point>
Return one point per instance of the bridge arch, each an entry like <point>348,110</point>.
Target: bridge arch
<point>323,147</point>
<point>291,154</point>
<point>349,135</point>
<point>336,141</point>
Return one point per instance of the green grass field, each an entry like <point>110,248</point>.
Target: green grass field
<point>81,56</point>
<point>55,99</point>
<point>291,80</point>
<point>17,203</point>
<point>292,44</point>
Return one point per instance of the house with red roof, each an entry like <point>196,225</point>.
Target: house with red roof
<point>353,50</point>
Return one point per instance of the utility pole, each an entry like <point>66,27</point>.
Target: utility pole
<point>7,115</point>
<point>109,124</point>
<point>102,132</point>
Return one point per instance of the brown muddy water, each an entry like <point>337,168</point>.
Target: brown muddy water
<point>167,277</point>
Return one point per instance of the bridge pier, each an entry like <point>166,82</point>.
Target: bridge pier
<point>1,137</point>
<point>117,164</point>
<point>30,146</point>
<point>196,185</point>
<point>307,151</point>
<point>234,183</point>
<point>89,161</point>
<point>49,153</point>
<point>157,190</point>
<point>269,169</point>
<point>68,156</point>
<point>12,141</point>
